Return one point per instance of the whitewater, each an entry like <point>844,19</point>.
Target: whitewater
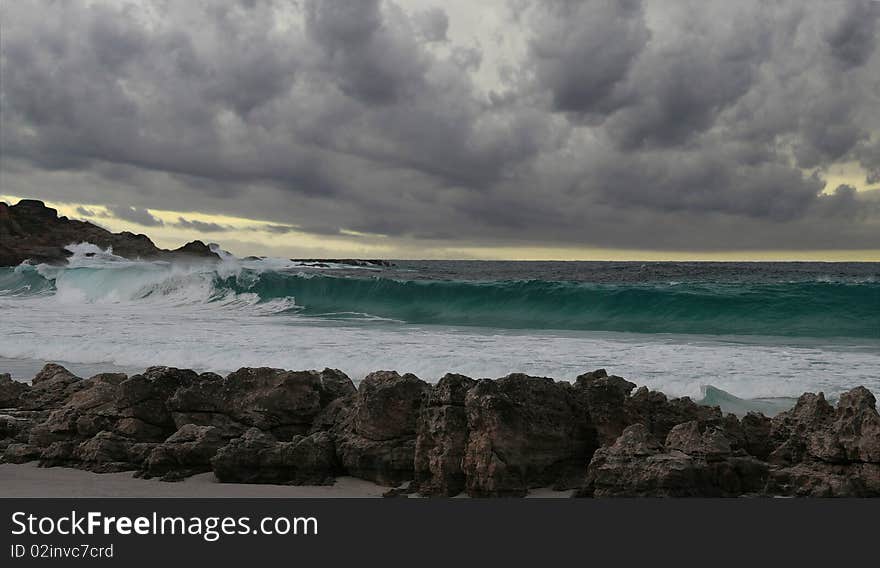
<point>757,331</point>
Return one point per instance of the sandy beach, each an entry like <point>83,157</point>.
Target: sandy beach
<point>30,481</point>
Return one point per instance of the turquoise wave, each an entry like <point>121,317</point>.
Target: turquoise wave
<point>800,309</point>
<point>808,309</point>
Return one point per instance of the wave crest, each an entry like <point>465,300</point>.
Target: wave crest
<point>807,309</point>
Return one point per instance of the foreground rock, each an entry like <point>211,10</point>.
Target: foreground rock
<point>257,457</point>
<point>600,434</point>
<point>822,451</point>
<point>31,231</point>
<point>376,436</point>
<point>524,432</point>
<point>10,391</point>
<point>693,462</point>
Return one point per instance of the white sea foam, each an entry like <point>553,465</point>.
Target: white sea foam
<point>216,336</point>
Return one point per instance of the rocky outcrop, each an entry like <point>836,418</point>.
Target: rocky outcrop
<point>376,437</point>
<point>485,437</point>
<point>823,451</point>
<point>186,452</point>
<point>691,463</point>
<point>10,391</point>
<point>524,432</point>
<point>257,457</point>
<point>284,403</point>
<point>31,231</point>
<point>52,386</point>
<point>442,437</point>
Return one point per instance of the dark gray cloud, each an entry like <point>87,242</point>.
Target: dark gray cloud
<point>584,52</point>
<point>135,215</point>
<point>276,229</point>
<point>633,124</point>
<point>432,24</point>
<point>200,226</point>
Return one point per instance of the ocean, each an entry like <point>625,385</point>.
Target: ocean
<point>755,330</point>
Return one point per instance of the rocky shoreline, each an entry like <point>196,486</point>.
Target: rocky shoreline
<point>600,435</point>
<point>30,231</point>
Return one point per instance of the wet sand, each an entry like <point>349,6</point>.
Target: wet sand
<point>28,480</point>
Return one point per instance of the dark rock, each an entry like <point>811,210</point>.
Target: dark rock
<point>756,431</point>
<point>31,231</point>
<point>145,397</point>
<point>283,402</point>
<point>637,465</point>
<point>61,453</point>
<point>51,388</point>
<point>10,391</point>
<point>257,457</point>
<point>660,415</point>
<point>442,438</point>
<point>822,451</point>
<point>814,430</point>
<point>817,479</point>
<point>524,432</point>
<point>186,452</point>
<point>85,413</point>
<point>604,398</point>
<point>710,443</point>
<point>16,425</point>
<point>324,262</point>
<point>20,453</point>
<point>105,452</point>
<point>377,439</point>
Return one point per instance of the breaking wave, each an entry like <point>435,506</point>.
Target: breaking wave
<point>798,309</point>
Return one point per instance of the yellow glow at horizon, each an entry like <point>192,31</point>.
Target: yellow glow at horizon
<point>848,173</point>
<point>244,233</point>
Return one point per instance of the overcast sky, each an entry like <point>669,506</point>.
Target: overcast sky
<point>588,129</point>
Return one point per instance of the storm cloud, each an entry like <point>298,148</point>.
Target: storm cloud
<point>652,125</point>
<point>135,215</point>
<point>200,226</point>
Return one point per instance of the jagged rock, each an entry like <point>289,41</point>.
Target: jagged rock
<point>186,452</point>
<point>10,391</point>
<point>283,402</point>
<point>31,231</point>
<point>637,465</point>
<point>524,432</point>
<point>105,452</point>
<point>51,388</point>
<point>854,434</point>
<point>137,429</point>
<point>442,437</point>
<point>487,437</point>
<point>257,457</point>
<point>814,430</point>
<point>377,439</point>
<point>333,416</point>
<point>822,451</point>
<point>710,443</point>
<point>16,425</point>
<point>145,397</point>
<point>20,453</point>
<point>604,398</point>
<point>756,435</point>
<point>817,479</point>
<point>85,413</point>
<point>60,453</point>
<point>660,414</point>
